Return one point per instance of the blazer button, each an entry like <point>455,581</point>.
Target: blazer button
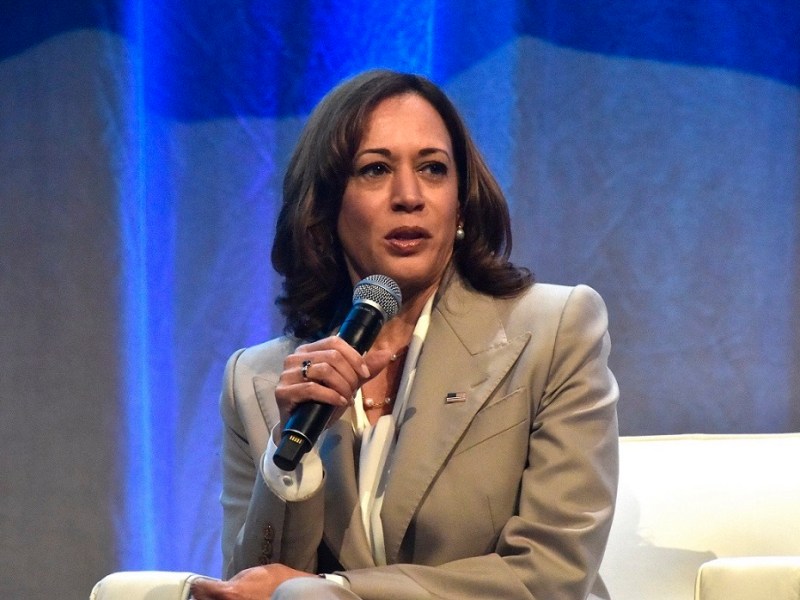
<point>266,553</point>
<point>266,547</point>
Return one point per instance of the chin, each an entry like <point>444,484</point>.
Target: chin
<point>412,276</point>
<point>412,286</point>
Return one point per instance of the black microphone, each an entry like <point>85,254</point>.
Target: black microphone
<point>376,299</point>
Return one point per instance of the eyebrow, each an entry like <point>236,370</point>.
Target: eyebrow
<point>388,153</point>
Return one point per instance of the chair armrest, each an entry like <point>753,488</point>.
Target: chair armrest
<point>749,578</point>
<point>144,585</point>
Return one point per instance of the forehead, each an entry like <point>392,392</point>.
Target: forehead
<point>406,118</point>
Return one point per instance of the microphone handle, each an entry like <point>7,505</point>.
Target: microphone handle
<point>308,420</point>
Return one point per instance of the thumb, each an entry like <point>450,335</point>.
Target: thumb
<point>208,589</point>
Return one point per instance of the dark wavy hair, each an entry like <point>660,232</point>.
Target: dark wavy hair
<point>306,249</point>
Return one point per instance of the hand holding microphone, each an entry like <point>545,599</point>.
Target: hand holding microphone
<point>376,299</point>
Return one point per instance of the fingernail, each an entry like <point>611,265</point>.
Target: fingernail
<point>364,371</point>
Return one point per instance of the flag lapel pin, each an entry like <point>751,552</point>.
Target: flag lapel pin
<point>453,397</point>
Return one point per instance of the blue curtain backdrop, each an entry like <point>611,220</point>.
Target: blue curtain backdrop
<point>649,148</point>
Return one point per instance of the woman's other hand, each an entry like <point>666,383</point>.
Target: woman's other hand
<point>256,583</point>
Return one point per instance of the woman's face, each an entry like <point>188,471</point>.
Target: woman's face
<point>400,205</point>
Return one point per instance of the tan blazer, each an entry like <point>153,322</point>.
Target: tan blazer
<point>508,494</point>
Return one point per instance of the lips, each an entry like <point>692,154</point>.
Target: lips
<point>408,233</point>
<point>407,239</point>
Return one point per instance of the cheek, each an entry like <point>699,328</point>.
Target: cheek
<point>353,211</point>
<point>453,217</point>
<point>448,236</point>
<point>352,226</point>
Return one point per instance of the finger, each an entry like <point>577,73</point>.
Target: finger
<point>309,380</point>
<point>338,345</point>
<point>290,396</point>
<point>330,369</point>
<point>304,368</point>
<point>332,365</point>
<point>377,361</point>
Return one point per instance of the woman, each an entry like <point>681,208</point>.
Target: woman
<point>474,449</point>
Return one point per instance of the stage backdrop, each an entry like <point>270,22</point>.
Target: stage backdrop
<point>648,148</point>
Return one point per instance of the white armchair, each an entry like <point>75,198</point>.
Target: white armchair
<point>144,585</point>
<point>685,500</point>
<point>746,578</point>
<point>714,517</point>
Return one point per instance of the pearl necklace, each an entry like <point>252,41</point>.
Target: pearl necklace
<point>371,403</point>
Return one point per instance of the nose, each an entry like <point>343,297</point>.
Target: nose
<point>407,193</point>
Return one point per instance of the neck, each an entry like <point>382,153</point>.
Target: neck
<point>396,333</point>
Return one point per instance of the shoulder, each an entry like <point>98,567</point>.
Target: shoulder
<point>565,315</point>
<point>552,304</point>
<point>262,360</point>
<point>542,311</point>
<point>266,353</point>
<point>552,298</point>
<point>246,402</point>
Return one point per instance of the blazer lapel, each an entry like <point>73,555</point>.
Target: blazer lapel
<point>465,334</point>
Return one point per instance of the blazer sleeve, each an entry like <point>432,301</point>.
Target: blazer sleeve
<point>552,547</point>
<point>238,467</point>
<point>259,527</point>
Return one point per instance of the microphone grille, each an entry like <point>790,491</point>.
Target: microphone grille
<point>381,291</point>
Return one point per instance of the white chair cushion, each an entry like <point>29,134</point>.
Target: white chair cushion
<point>144,585</point>
<point>749,578</point>
<point>687,499</point>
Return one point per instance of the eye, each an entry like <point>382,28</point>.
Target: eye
<point>373,170</point>
<point>435,169</point>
